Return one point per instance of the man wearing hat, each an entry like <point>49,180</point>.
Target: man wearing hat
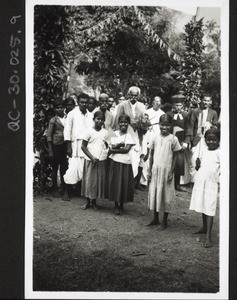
<point>199,121</point>
<point>179,129</point>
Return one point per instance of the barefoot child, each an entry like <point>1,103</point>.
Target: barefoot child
<point>120,171</point>
<point>57,146</point>
<point>94,183</point>
<point>205,192</point>
<point>163,148</point>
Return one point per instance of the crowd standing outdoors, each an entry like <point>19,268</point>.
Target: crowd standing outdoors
<point>108,149</point>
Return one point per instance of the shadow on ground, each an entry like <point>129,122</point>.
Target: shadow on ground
<point>59,266</point>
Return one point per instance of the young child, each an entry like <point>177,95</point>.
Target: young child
<point>163,147</point>
<point>94,184</point>
<point>205,192</point>
<point>121,181</point>
<point>57,148</point>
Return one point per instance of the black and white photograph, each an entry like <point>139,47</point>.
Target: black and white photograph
<point>127,192</point>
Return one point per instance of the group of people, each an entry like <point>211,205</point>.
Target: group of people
<point>109,151</point>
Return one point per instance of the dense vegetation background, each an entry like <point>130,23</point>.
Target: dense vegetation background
<point>96,49</point>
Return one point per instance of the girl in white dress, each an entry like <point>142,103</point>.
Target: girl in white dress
<point>161,193</point>
<point>205,192</point>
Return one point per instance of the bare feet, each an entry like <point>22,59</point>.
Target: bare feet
<point>153,223</point>
<point>200,231</point>
<point>208,244</point>
<point>66,197</point>
<point>121,206</point>
<point>87,205</point>
<point>116,211</point>
<point>162,226</point>
<point>95,207</point>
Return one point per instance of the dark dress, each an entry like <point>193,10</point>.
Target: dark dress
<point>179,166</point>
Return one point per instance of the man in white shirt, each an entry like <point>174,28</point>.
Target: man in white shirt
<point>154,114</point>
<point>112,106</point>
<point>77,122</point>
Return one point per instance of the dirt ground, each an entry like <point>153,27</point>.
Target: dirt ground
<point>87,250</point>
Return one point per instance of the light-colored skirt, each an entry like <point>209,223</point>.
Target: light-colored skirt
<point>94,180</point>
<point>161,191</point>
<point>204,197</point>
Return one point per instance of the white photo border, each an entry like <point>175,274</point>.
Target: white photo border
<point>224,194</point>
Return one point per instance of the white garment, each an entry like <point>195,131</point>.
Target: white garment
<point>178,115</point>
<point>205,192</point>
<point>96,145</point>
<point>128,140</point>
<point>204,117</point>
<point>76,124</point>
<point>145,164</point>
<point>196,153</point>
<point>74,130</point>
<point>75,170</point>
<point>63,120</point>
<point>113,110</point>
<point>134,109</point>
<point>154,118</point>
<point>185,179</point>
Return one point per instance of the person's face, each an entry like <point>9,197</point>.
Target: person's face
<point>146,105</point>
<point>206,102</point>
<point>123,125</point>
<point>69,106</point>
<point>156,103</point>
<point>91,105</point>
<point>121,99</point>
<point>212,142</point>
<point>145,118</point>
<point>110,102</point>
<point>165,128</point>
<point>133,96</point>
<point>178,107</point>
<point>59,110</point>
<point>99,121</point>
<point>193,105</point>
<point>104,102</point>
<point>82,105</point>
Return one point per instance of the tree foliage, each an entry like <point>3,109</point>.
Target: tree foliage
<point>50,70</point>
<point>200,68</point>
<point>190,70</point>
<point>211,69</point>
<point>113,48</point>
<point>123,55</point>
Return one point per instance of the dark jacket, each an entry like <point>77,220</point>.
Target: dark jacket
<point>55,131</point>
<point>180,123</point>
<point>192,124</point>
